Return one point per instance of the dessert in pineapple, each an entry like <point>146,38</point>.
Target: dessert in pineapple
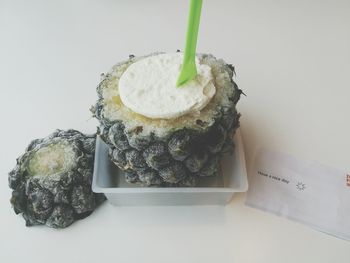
<point>161,134</point>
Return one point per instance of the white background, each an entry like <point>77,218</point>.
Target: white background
<point>292,60</point>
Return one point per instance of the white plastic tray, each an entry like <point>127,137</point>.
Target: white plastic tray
<point>108,179</point>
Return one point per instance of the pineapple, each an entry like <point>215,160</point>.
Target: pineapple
<point>169,152</point>
<point>52,180</point>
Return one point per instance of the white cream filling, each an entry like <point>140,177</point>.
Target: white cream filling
<point>148,87</point>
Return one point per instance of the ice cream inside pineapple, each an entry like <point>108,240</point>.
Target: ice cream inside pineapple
<point>148,87</point>
<point>112,108</point>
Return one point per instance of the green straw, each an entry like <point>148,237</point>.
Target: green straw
<point>188,69</point>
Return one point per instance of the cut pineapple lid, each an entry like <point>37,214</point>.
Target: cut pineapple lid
<point>148,87</point>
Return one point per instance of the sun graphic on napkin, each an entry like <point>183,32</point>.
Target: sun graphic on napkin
<point>300,186</point>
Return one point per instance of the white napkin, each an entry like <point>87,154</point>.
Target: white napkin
<point>304,191</point>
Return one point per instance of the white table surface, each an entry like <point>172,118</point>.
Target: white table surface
<point>292,60</point>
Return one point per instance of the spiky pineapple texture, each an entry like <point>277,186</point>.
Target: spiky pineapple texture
<point>173,152</point>
<point>52,180</point>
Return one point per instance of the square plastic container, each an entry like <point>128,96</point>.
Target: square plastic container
<point>218,190</point>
